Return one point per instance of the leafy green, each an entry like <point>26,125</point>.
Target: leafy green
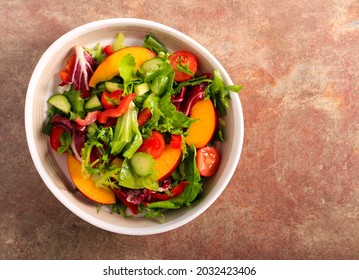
<point>107,177</point>
<point>152,213</point>
<point>219,93</point>
<point>65,142</point>
<point>128,178</point>
<point>118,208</point>
<point>192,82</point>
<point>192,176</point>
<point>97,53</point>
<point>165,117</point>
<point>173,203</point>
<point>46,128</point>
<point>192,190</point>
<point>154,45</point>
<point>127,137</point>
<point>185,68</point>
<point>77,103</point>
<point>86,168</point>
<point>99,138</point>
<point>127,71</point>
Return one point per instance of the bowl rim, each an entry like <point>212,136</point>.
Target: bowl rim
<point>29,129</point>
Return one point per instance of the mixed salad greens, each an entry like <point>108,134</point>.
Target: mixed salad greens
<point>139,124</point>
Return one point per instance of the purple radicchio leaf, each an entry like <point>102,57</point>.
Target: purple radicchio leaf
<point>137,196</point>
<point>195,94</point>
<point>84,67</point>
<point>78,132</point>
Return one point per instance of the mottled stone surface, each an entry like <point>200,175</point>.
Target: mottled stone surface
<point>295,193</point>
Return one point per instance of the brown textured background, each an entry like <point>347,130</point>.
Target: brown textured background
<point>295,193</point>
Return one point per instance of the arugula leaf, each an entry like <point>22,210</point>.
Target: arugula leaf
<point>192,82</point>
<point>65,141</point>
<point>185,69</point>
<point>154,45</point>
<point>192,176</point>
<point>77,103</point>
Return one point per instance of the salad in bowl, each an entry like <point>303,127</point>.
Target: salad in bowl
<point>138,127</point>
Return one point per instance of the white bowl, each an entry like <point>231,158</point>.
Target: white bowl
<point>53,170</point>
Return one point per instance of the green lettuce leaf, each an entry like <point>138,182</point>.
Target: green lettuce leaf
<point>127,71</point>
<point>127,137</point>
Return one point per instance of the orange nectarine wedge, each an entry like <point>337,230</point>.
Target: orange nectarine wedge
<point>201,131</point>
<point>87,186</point>
<point>168,161</point>
<point>109,66</point>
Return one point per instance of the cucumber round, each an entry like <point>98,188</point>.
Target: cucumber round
<point>60,102</point>
<point>93,103</point>
<point>151,65</point>
<point>142,164</point>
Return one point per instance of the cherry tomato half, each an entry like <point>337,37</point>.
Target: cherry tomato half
<point>111,100</point>
<point>184,59</point>
<point>208,160</point>
<point>153,145</point>
<point>108,50</point>
<point>55,135</point>
<point>176,141</point>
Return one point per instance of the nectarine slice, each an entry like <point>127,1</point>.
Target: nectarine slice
<point>109,66</point>
<point>201,131</point>
<point>168,161</point>
<point>87,186</point>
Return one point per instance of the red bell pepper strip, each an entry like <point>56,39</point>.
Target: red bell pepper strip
<point>175,191</point>
<point>111,100</point>
<point>144,116</point>
<point>133,208</point>
<point>89,119</point>
<point>118,111</point>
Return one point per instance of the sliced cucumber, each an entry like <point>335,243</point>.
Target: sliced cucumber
<point>143,164</point>
<point>118,43</point>
<point>60,102</point>
<point>151,65</point>
<point>93,103</point>
<point>111,86</point>
<point>141,88</point>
